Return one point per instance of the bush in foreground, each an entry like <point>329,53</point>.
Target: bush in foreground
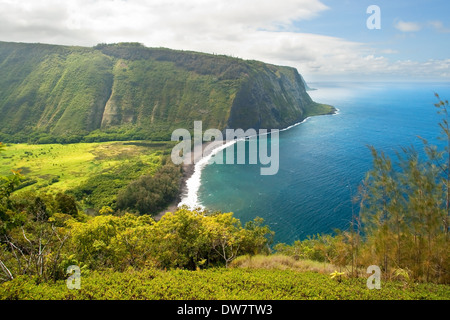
<point>217,284</point>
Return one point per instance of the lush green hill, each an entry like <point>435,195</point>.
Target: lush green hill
<point>126,91</point>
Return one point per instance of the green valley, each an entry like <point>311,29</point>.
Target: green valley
<point>85,175</point>
<point>93,172</point>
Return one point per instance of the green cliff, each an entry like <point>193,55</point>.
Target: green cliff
<point>123,91</point>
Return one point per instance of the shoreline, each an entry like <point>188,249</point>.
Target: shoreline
<point>188,172</point>
<point>190,169</point>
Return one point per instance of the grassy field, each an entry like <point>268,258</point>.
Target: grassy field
<point>58,167</point>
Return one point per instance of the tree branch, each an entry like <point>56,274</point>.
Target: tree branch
<point>6,270</point>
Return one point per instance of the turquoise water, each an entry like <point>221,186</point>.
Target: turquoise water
<point>323,160</point>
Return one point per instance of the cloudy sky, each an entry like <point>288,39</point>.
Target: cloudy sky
<point>323,39</point>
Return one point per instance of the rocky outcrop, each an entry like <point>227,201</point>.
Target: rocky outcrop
<point>274,98</point>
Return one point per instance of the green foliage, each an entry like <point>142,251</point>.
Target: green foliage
<point>151,193</point>
<point>122,256</point>
<point>8,217</point>
<point>183,239</point>
<point>66,204</point>
<point>319,109</point>
<point>405,208</point>
<point>111,241</point>
<point>47,240</point>
<point>8,183</point>
<point>31,242</point>
<point>257,237</point>
<point>105,210</point>
<point>103,188</point>
<point>217,284</point>
<point>61,94</point>
<point>192,239</point>
<point>32,239</point>
<point>180,240</point>
<point>403,224</point>
<point>125,91</point>
<point>93,173</point>
<point>56,90</point>
<point>320,248</point>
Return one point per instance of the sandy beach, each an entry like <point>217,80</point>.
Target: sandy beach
<point>188,171</point>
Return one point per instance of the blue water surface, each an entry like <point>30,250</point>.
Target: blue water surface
<point>323,160</point>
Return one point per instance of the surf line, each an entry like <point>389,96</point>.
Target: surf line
<point>189,197</point>
<point>193,183</point>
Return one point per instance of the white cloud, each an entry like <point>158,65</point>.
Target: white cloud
<point>389,51</point>
<point>439,26</point>
<point>407,26</point>
<point>250,29</point>
<point>115,18</point>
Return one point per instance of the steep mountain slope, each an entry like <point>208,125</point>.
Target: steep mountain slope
<point>52,93</point>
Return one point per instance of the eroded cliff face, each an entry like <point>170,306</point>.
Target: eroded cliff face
<point>273,98</point>
<point>128,90</point>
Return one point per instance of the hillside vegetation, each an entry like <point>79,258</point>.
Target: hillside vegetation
<point>54,94</point>
<point>126,91</point>
<point>94,173</point>
<point>218,284</point>
<point>191,254</point>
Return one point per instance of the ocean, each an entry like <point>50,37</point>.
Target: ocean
<point>324,159</point>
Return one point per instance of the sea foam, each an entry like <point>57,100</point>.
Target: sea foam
<point>190,196</point>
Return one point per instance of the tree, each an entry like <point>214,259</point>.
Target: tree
<point>106,210</point>
<point>226,236</point>
<point>108,241</point>
<point>180,239</point>
<point>257,237</point>
<point>66,204</point>
<point>151,193</point>
<point>405,208</point>
<point>31,243</point>
<point>35,249</point>
<point>8,218</point>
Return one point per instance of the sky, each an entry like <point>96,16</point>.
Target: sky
<point>326,40</point>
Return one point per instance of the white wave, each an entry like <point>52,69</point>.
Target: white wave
<point>295,124</point>
<point>190,199</point>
